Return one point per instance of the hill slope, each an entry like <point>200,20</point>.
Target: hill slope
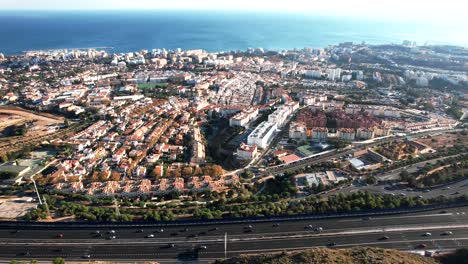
<point>356,255</point>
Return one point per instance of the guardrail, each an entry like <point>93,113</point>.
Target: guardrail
<point>260,219</point>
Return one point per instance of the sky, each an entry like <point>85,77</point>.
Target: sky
<point>447,12</point>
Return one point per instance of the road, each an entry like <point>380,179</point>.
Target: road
<point>395,174</point>
<point>405,232</point>
<point>449,190</point>
<point>357,146</point>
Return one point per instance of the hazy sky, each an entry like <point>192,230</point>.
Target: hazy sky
<point>446,12</point>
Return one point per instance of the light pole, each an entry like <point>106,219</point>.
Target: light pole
<point>37,191</point>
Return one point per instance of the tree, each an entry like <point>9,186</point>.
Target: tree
<point>371,180</point>
<point>460,256</point>
<point>58,261</point>
<point>404,174</point>
<point>198,171</point>
<point>217,170</point>
<point>115,176</point>
<point>187,171</point>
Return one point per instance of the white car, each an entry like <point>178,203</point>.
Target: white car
<point>427,234</point>
<point>150,236</point>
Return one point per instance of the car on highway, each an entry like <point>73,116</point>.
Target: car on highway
<point>202,247</point>
<point>384,238</point>
<point>159,231</point>
<point>97,232</point>
<point>86,256</point>
<point>318,229</point>
<point>276,225</point>
<point>421,246</point>
<point>447,233</point>
<point>427,234</point>
<point>150,236</point>
<point>111,232</point>
<point>248,227</point>
<point>308,227</point>
<point>59,236</point>
<point>139,231</point>
<point>111,237</point>
<point>331,244</point>
<point>214,229</point>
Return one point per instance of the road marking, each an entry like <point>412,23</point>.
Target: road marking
<point>398,217</point>
<point>243,239</point>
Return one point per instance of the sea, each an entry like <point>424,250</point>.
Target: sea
<point>126,31</point>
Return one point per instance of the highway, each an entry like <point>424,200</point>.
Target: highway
<point>175,243</point>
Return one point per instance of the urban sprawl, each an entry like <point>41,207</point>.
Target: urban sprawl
<point>239,133</point>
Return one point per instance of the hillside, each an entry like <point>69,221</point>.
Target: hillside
<point>356,255</point>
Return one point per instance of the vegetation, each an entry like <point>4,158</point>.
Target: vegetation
<point>58,261</point>
<point>444,171</point>
<point>356,255</point>
<point>15,130</point>
<point>460,256</point>
<point>7,175</point>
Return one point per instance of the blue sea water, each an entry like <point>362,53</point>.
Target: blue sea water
<point>209,30</point>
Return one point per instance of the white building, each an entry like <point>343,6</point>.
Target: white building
<point>308,99</point>
<point>346,78</point>
<point>244,117</point>
<point>246,152</point>
<point>293,106</point>
<point>334,74</point>
<point>262,134</point>
<point>381,131</point>
<point>279,117</point>
<point>346,134</point>
<point>382,111</point>
<point>298,131</point>
<point>313,74</point>
<point>365,133</point>
<point>319,134</point>
<point>422,82</point>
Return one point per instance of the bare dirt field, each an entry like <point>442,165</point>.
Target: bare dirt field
<point>444,140</point>
<point>41,126</point>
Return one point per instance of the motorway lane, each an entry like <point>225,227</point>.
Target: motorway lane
<point>150,250</point>
<point>264,238</point>
<point>265,228</point>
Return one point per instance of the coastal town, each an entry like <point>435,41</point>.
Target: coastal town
<point>189,126</point>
